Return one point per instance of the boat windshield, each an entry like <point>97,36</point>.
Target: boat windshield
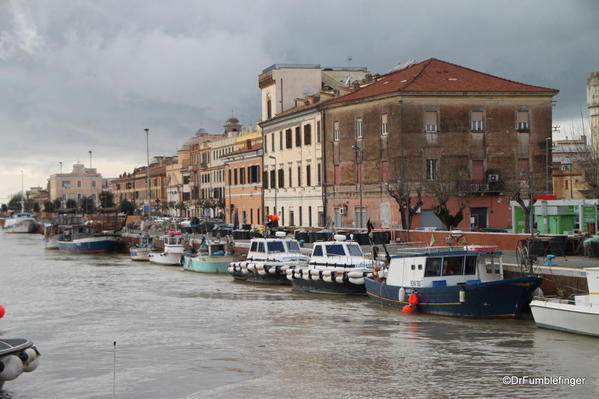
<point>275,246</point>
<point>335,250</point>
<point>293,246</point>
<point>354,250</point>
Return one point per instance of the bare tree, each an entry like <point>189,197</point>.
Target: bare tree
<point>454,183</point>
<point>523,190</point>
<point>408,196</point>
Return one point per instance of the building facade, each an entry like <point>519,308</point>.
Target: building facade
<point>593,106</point>
<point>429,125</point>
<point>80,183</point>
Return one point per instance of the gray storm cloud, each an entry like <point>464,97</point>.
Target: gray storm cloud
<point>79,75</point>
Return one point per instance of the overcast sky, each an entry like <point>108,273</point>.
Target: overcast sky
<point>80,75</point>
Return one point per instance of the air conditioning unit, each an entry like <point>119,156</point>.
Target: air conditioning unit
<point>493,178</point>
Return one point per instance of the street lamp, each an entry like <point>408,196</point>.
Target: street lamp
<point>149,193</point>
<point>276,182</point>
<point>358,149</point>
<point>228,177</point>
<point>547,144</point>
<point>90,159</point>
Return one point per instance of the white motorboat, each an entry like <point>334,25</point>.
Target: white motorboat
<point>336,267</point>
<point>268,260</point>
<point>172,254</point>
<point>141,252</point>
<point>20,222</point>
<point>580,316</point>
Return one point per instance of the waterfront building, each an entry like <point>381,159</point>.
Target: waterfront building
<point>80,183</point>
<point>569,158</point>
<point>428,124</point>
<point>38,195</point>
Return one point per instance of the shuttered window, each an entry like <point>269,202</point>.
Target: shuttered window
<point>430,121</point>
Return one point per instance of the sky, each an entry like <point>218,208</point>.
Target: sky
<point>89,75</point>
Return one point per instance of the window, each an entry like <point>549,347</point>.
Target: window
<point>67,184</point>
<point>336,133</point>
<point>310,216</point>
<point>522,120</point>
<point>292,246</point>
<point>354,250</point>
<point>290,180</point>
<point>478,173</point>
<point>266,143</point>
<point>299,176</point>
<point>430,121</point>
<point>384,128</point>
<point>452,266</point>
<point>335,250</point>
<point>319,175</point>
<point>273,180</point>
<point>308,175</point>
<point>317,250</point>
<point>476,122</point>
<point>78,183</point>
<point>431,169</point>
<point>242,176</point>
<point>470,265</point>
<point>268,109</point>
<point>298,136</point>
<point>275,246</point>
<point>359,133</point>
<point>300,216</point>
<point>261,247</point>
<point>523,168</point>
<point>307,134</point>
<point>93,183</point>
<point>229,177</point>
<point>281,178</point>
<point>281,140</point>
<point>272,143</point>
<point>318,131</point>
<point>235,176</point>
<point>291,218</point>
<point>254,247</point>
<point>432,267</point>
<point>384,171</point>
<point>288,139</point>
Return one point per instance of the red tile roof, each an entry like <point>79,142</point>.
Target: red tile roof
<point>434,75</point>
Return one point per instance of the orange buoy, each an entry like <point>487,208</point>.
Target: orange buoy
<point>413,300</point>
<point>407,309</point>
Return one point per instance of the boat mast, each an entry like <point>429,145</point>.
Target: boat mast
<point>22,193</point>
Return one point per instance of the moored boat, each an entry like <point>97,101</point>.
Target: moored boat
<point>82,239</point>
<point>21,222</point>
<point>580,316</point>
<point>453,281</point>
<point>17,356</point>
<point>141,252</point>
<point>172,254</point>
<point>336,267</point>
<point>268,260</point>
<point>212,257</point>
<point>54,230</point>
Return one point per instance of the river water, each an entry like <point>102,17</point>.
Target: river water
<point>189,335</point>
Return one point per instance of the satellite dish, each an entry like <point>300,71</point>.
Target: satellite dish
<point>402,65</point>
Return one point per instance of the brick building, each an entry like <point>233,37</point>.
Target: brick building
<point>428,123</point>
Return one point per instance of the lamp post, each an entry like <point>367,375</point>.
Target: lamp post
<point>148,193</point>
<point>90,159</point>
<point>547,144</point>
<point>358,149</point>
<point>60,164</point>
<point>227,171</point>
<point>276,182</point>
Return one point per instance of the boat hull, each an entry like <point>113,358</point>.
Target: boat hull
<point>207,264</point>
<point>51,242</point>
<point>166,259</point>
<point>323,287</point>
<point>566,317</point>
<point>89,245</point>
<point>503,298</point>
<point>21,226</point>
<point>140,254</point>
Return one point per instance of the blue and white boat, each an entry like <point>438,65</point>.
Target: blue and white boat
<point>21,222</point>
<point>212,257</point>
<point>268,260</point>
<point>451,281</point>
<point>335,267</point>
<point>82,239</point>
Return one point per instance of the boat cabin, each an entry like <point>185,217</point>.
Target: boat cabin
<point>348,254</point>
<point>269,248</point>
<point>173,239</point>
<point>438,267</point>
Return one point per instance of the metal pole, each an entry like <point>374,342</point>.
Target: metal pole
<point>547,142</point>
<point>90,159</point>
<point>60,163</point>
<point>359,165</point>
<point>148,194</point>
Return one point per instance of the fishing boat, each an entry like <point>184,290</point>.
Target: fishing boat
<point>54,230</point>
<point>141,252</point>
<point>580,316</point>
<point>453,281</point>
<point>212,257</point>
<point>83,239</point>
<point>17,356</point>
<point>21,222</point>
<point>335,267</point>
<point>172,254</point>
<point>268,260</point>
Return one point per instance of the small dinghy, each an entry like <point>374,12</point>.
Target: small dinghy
<point>268,260</point>
<point>16,356</point>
